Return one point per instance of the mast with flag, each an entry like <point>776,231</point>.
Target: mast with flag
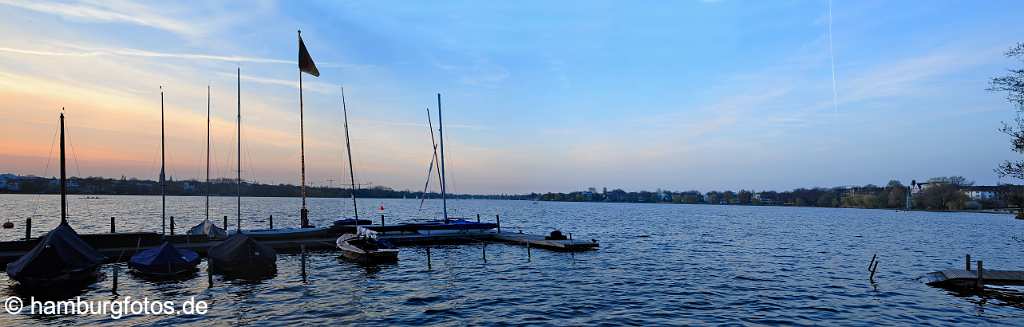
<point>306,65</point>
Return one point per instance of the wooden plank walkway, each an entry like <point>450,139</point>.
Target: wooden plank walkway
<point>540,242</point>
<point>968,278</point>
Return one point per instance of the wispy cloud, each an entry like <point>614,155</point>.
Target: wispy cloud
<point>310,86</point>
<point>93,52</point>
<point>109,11</point>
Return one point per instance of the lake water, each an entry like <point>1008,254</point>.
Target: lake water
<point>658,264</point>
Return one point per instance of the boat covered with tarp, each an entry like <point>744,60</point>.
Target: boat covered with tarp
<point>60,257</point>
<point>165,260</point>
<point>241,255</point>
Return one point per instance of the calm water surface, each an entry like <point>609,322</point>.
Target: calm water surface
<point>658,264</point>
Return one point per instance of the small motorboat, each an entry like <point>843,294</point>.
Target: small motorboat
<point>164,261</point>
<point>362,247</point>
<point>60,258</point>
<point>209,229</point>
<point>240,255</point>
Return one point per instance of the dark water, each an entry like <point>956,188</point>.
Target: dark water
<point>658,264</point>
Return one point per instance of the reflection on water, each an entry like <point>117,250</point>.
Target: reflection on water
<point>658,264</point>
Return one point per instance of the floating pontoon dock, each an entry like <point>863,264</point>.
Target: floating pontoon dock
<point>121,246</point>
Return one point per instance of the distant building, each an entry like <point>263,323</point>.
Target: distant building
<point>981,193</point>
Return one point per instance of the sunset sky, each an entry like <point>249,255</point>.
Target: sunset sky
<point>538,96</point>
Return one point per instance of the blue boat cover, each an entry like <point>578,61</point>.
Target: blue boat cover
<point>59,252</point>
<point>165,259</point>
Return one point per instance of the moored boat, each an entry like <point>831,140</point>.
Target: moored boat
<point>363,248</point>
<point>164,261</point>
<point>60,258</point>
<point>242,256</point>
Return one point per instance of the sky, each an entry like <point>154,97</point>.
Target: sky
<point>537,96</point>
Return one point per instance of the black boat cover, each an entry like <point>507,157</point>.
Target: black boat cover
<point>165,259</point>
<point>240,252</point>
<point>60,252</point>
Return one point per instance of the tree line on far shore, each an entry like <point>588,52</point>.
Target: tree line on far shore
<point>941,193</point>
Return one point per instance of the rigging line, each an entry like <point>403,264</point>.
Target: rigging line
<point>832,57</point>
<point>46,170</point>
<point>74,158</point>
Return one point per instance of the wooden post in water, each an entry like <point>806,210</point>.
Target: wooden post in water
<point>172,225</point>
<point>112,229</point>
<point>981,273</point>
<point>225,223</point>
<point>303,249</point>
<point>428,258</point>
<point>529,256</point>
<point>497,220</point>
<point>484,250</point>
<point>477,217</point>
<point>572,251</point>
<point>271,220</point>
<point>114,288</point>
<point>967,263</point>
<point>382,219</point>
<point>28,229</point>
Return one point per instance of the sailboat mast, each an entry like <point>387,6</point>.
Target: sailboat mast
<point>238,183</point>
<point>440,130</point>
<point>348,147</point>
<point>207,152</point>
<point>163,168</point>
<point>63,175</point>
<point>303,213</point>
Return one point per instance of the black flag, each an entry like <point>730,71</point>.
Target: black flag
<point>305,61</point>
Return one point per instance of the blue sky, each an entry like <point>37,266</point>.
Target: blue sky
<point>538,96</point>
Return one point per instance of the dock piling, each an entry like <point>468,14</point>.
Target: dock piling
<point>382,219</point>
<point>497,220</point>
<point>209,272</point>
<point>981,272</point>
<point>484,252</point>
<point>967,263</point>
<point>428,258</point>
<point>112,229</point>
<point>114,288</point>
<point>529,255</point>
<point>477,217</point>
<point>572,252</point>
<point>172,225</point>
<point>28,229</point>
<point>225,223</point>
<point>271,220</point>
<point>303,249</point>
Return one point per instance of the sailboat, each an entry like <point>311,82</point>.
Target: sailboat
<point>448,226</point>
<point>362,246</point>
<point>239,254</point>
<point>165,260</point>
<point>207,227</point>
<point>61,257</point>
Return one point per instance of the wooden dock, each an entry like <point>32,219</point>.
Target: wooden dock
<point>539,241</point>
<point>121,246</point>
<point>969,278</point>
